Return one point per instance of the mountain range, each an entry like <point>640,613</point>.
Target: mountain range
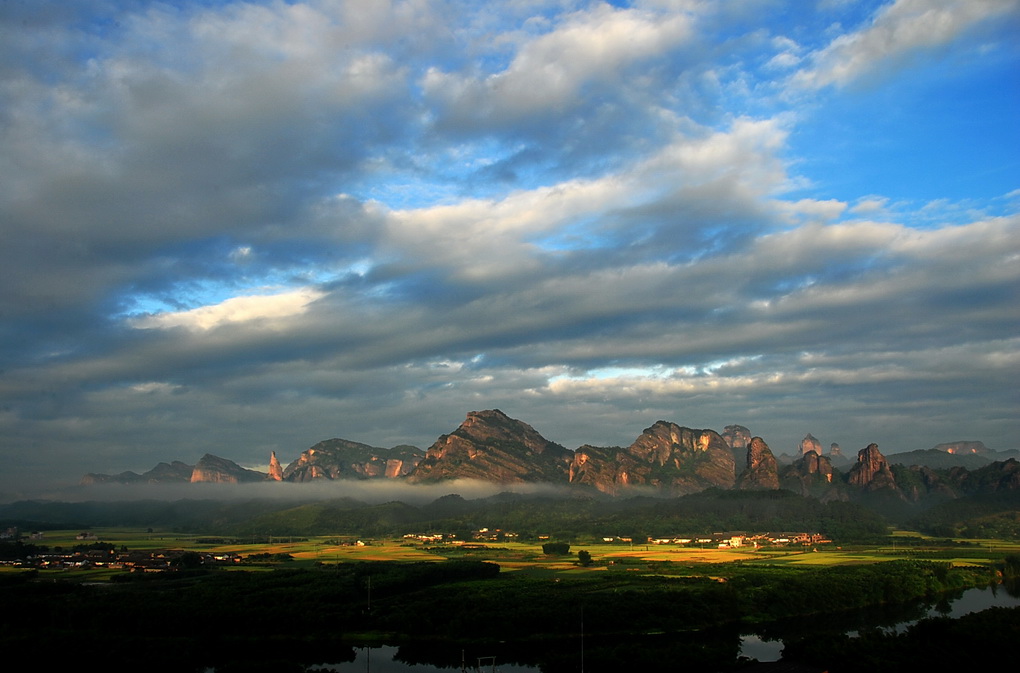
<point>666,458</point>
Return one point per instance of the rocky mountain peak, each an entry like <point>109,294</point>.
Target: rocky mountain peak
<point>663,439</point>
<point>737,436</point>
<point>343,459</point>
<point>872,471</point>
<point>962,447</point>
<point>493,425</point>
<point>761,471</point>
<point>681,459</point>
<point>275,469</point>
<point>214,469</point>
<point>491,446</point>
<point>810,443</point>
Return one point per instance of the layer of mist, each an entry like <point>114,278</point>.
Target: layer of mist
<point>367,491</point>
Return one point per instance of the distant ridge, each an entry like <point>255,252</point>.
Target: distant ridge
<point>668,458</point>
<point>962,447</point>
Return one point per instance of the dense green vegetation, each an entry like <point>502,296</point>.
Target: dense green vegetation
<point>229,617</point>
<point>992,515</point>
<point>578,515</point>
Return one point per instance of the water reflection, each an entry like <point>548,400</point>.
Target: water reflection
<point>702,651</point>
<point>767,644</point>
<point>405,659</point>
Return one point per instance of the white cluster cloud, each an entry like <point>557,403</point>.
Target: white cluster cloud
<point>598,48</point>
<point>900,32</point>
<point>269,310</point>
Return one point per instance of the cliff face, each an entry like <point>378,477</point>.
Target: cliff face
<point>962,447</point>
<point>214,469</point>
<point>809,444</point>
<point>491,446</point>
<point>761,470</point>
<point>872,472</point>
<point>275,469</point>
<point>666,456</point>
<point>344,459</point>
<point>605,468</point>
<point>736,436</point>
<point>813,475</point>
<point>672,459</point>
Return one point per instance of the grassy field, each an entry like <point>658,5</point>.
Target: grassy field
<point>529,558</point>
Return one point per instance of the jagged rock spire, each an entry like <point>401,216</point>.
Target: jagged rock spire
<point>275,469</point>
<point>762,471</point>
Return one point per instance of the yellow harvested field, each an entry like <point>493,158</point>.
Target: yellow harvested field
<point>674,554</point>
<point>375,552</point>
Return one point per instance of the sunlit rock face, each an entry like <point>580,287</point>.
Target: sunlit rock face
<point>275,469</point>
<point>606,468</point>
<point>491,446</point>
<point>666,456</point>
<point>809,444</point>
<point>736,436</point>
<point>761,470</point>
<point>813,475</point>
<point>872,471</point>
<point>680,459</point>
<point>213,469</point>
<point>402,461</point>
<point>344,459</point>
<point>962,447</point>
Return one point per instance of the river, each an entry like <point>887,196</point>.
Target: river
<point>764,646</point>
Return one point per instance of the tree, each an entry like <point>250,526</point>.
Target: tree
<point>560,548</point>
<point>584,558</point>
<point>188,560</point>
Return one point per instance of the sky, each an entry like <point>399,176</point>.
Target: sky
<point>244,227</point>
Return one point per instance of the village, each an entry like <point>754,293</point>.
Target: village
<point>93,553</point>
<point>722,540</point>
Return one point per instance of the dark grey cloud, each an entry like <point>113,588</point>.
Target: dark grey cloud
<point>242,228</point>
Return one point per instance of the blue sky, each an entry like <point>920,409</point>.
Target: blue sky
<point>239,228</point>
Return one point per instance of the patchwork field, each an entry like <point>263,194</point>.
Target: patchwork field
<point>529,557</point>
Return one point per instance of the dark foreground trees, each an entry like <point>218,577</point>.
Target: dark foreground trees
<point>980,641</point>
<point>190,620</point>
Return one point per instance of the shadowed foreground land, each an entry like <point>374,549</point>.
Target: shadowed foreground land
<point>636,613</point>
<point>282,595</point>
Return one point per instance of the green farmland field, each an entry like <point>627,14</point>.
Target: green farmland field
<point>518,556</point>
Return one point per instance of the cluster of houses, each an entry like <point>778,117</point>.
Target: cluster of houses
<point>756,540</point>
<point>132,561</point>
<point>105,556</point>
<point>480,535</point>
<point>721,540</point>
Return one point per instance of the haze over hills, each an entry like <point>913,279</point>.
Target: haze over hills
<point>666,459</point>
